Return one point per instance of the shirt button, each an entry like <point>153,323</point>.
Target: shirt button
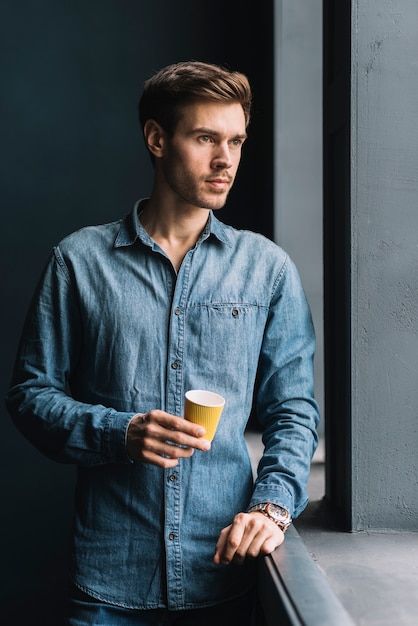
<point>172,536</point>
<point>235,312</point>
<point>177,311</point>
<point>172,478</point>
<point>175,365</point>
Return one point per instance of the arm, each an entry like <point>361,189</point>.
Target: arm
<point>289,415</point>
<point>285,402</point>
<point>39,399</point>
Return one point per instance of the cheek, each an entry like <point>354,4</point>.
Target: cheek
<point>192,161</point>
<point>198,166</point>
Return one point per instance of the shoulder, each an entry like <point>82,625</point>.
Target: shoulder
<point>89,238</point>
<point>256,246</point>
<point>261,257</point>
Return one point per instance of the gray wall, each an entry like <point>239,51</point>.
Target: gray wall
<point>384,239</point>
<point>298,153</point>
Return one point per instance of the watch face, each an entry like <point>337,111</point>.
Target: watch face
<point>277,512</point>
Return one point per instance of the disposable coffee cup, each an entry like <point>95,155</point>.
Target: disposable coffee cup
<point>204,408</point>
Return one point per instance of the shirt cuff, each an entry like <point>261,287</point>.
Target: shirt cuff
<point>114,440</point>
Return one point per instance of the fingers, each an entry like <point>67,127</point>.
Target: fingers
<point>161,439</point>
<point>250,535</point>
<point>220,556</point>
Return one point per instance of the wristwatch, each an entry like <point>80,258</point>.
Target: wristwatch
<point>276,513</point>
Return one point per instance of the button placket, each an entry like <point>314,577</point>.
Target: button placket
<point>174,402</point>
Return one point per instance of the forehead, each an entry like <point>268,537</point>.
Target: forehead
<point>225,118</point>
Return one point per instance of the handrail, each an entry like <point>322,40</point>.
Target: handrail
<point>294,592</point>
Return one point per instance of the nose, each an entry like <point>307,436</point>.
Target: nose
<point>222,157</point>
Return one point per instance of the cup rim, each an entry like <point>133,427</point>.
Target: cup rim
<point>207,398</point>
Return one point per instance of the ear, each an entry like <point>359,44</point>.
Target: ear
<point>154,136</point>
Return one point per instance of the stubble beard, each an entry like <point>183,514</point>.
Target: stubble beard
<point>192,192</point>
<point>214,201</point>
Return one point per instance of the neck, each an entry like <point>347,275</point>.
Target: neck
<point>175,228</point>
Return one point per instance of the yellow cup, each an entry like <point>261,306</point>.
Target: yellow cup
<point>204,408</point>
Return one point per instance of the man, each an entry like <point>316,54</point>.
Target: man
<point>128,317</point>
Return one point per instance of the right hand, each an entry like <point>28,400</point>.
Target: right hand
<point>148,434</point>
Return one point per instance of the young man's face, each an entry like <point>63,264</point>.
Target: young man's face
<point>200,161</point>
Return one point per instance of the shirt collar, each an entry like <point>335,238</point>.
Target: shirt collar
<point>131,229</point>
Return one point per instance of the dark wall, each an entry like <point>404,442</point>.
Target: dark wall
<point>337,246</point>
<point>72,155</point>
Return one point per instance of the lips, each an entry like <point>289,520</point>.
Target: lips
<point>219,182</point>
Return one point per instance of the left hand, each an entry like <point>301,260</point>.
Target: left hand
<point>249,535</point>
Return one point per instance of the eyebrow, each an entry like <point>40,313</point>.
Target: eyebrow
<point>215,133</point>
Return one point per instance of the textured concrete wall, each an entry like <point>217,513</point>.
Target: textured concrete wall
<point>385,264</point>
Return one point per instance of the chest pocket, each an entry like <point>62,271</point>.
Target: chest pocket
<point>228,333</point>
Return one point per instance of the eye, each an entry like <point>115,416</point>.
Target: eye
<point>205,138</point>
<point>236,143</point>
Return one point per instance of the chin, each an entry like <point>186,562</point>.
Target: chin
<point>215,205</point>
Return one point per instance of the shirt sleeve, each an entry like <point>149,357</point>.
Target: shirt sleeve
<point>39,399</point>
<point>285,402</point>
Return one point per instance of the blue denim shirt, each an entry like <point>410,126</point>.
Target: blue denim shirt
<point>114,331</point>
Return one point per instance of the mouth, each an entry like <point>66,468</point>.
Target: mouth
<point>219,183</point>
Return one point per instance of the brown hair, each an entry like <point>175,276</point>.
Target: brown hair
<point>171,88</point>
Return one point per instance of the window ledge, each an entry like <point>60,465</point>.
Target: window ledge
<point>294,592</point>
